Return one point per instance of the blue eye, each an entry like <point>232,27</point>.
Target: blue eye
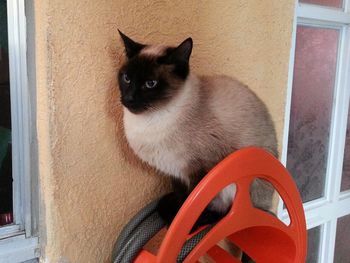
<point>150,84</point>
<point>126,78</point>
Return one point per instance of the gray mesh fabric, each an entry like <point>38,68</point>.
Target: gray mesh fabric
<point>191,243</point>
<point>132,225</point>
<point>140,229</point>
<point>138,238</point>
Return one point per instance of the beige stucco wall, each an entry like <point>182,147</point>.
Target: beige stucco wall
<point>89,188</point>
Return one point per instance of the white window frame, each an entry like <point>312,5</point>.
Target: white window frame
<point>325,211</point>
<point>17,241</point>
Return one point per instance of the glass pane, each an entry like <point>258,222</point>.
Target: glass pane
<point>311,108</point>
<point>313,244</point>
<point>345,183</point>
<point>331,3</point>
<point>342,241</point>
<point>5,124</point>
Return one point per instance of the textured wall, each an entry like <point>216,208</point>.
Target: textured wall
<point>89,187</point>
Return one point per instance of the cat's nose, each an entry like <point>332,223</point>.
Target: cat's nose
<point>129,98</point>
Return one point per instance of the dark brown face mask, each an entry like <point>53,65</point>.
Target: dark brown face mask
<point>148,81</point>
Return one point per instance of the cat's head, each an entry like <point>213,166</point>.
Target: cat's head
<point>152,75</point>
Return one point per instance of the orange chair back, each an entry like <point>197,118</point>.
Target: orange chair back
<point>262,236</point>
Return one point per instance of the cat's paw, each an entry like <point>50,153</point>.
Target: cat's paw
<point>169,205</point>
<point>207,217</point>
<point>246,259</point>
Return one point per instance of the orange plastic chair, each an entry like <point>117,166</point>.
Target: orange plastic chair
<point>262,236</point>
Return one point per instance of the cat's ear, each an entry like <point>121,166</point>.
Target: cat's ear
<point>180,54</point>
<point>183,51</point>
<point>132,48</point>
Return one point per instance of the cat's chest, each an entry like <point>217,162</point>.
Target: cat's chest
<point>146,130</point>
<point>156,143</point>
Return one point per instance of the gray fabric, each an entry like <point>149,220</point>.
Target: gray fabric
<point>138,238</point>
<point>191,243</point>
<point>132,225</point>
<point>140,229</point>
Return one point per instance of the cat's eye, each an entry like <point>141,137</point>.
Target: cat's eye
<point>151,84</point>
<point>126,78</point>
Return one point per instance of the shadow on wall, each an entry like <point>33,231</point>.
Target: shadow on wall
<point>115,112</point>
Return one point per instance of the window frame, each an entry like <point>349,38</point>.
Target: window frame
<point>325,211</point>
<point>19,241</point>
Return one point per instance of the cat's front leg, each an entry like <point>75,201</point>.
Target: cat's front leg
<point>169,205</point>
<point>207,217</point>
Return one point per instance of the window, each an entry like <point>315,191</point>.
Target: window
<point>6,207</point>
<point>317,133</point>
<point>18,207</point>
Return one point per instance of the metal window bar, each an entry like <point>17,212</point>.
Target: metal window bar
<point>16,241</point>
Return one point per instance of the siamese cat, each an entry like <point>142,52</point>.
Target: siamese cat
<point>183,124</point>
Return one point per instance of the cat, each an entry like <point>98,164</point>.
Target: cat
<point>183,124</point>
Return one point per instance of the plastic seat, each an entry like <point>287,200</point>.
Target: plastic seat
<point>261,235</point>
